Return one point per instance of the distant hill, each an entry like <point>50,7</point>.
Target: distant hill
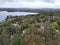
<point>29,10</point>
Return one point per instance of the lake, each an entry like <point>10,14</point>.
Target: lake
<point>4,14</point>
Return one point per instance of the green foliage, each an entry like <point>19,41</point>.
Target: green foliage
<point>18,40</point>
<point>14,35</point>
<point>7,22</point>
<point>58,27</point>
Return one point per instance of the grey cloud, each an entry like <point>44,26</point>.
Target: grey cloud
<point>50,1</point>
<point>6,0</point>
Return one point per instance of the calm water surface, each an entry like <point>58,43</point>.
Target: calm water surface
<point>4,14</point>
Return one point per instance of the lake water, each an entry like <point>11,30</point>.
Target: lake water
<point>4,14</point>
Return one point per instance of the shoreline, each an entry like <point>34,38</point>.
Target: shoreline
<point>4,14</point>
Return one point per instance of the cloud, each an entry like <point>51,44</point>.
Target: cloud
<point>30,0</point>
<point>50,1</point>
<point>5,0</point>
<point>30,3</point>
<point>25,4</point>
<point>36,4</point>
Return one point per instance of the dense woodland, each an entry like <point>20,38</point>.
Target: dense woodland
<point>39,29</point>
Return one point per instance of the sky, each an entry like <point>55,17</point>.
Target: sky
<point>29,3</point>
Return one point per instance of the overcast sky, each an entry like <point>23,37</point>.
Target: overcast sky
<point>29,3</point>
